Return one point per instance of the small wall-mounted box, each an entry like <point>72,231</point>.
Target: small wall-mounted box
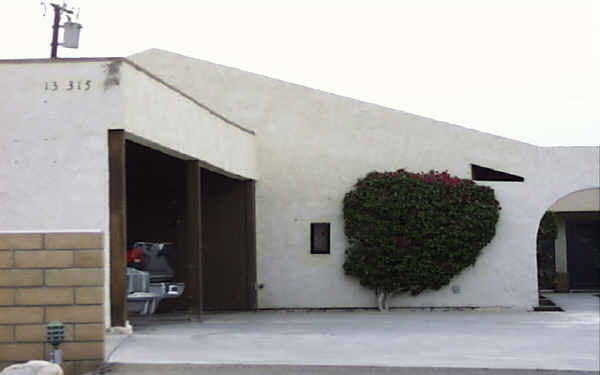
<point>320,238</point>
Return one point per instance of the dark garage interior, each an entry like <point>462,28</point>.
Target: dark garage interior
<point>205,218</point>
<point>156,202</point>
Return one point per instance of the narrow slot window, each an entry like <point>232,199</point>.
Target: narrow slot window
<point>480,173</point>
<point>320,238</point>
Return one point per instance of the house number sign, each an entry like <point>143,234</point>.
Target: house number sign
<point>68,85</point>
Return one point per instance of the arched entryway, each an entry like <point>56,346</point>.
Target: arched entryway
<point>569,243</point>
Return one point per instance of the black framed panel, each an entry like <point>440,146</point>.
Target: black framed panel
<point>320,238</point>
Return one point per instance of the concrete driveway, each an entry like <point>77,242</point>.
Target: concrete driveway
<point>501,339</point>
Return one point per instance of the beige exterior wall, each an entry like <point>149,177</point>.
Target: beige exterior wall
<point>46,277</point>
<point>584,200</point>
<point>311,148</point>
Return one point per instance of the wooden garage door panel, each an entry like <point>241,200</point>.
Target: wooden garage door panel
<point>225,258</point>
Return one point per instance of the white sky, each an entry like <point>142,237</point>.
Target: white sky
<point>527,70</point>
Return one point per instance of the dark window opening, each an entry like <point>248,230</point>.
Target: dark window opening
<point>480,173</point>
<point>320,238</point>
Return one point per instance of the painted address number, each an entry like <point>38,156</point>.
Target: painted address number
<point>68,85</point>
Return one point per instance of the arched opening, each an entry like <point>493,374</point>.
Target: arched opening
<point>568,243</point>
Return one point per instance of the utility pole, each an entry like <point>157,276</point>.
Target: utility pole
<point>57,13</point>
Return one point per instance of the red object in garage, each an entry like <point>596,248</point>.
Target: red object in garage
<point>134,256</point>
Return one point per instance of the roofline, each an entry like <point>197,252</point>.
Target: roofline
<point>138,68</point>
<point>59,60</point>
<point>195,101</point>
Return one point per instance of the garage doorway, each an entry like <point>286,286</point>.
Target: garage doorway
<point>208,218</point>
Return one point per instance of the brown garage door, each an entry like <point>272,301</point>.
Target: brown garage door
<point>229,256</point>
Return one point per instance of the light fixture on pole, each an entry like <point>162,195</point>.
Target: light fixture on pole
<point>55,335</point>
<point>70,30</point>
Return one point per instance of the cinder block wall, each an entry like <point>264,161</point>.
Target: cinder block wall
<point>46,277</point>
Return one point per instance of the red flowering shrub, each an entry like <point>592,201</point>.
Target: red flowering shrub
<point>409,232</point>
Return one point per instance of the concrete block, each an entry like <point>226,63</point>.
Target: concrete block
<point>68,368</point>
<point>44,296</point>
<point>73,241</point>
<point>14,277</point>
<point>14,241</point>
<point>83,350</point>
<point>43,259</point>
<point>20,352</point>
<point>7,333</point>
<point>6,259</point>
<point>7,297</point>
<point>84,367</point>
<point>76,314</point>
<point>37,332</point>
<point>13,315</point>
<point>89,332</point>
<point>89,258</point>
<point>75,277</point>
<point>92,295</point>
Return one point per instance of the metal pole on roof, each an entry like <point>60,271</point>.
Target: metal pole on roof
<point>57,13</point>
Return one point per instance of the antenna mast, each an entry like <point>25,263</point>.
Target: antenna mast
<point>71,33</point>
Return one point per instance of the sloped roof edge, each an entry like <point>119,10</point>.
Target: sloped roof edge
<point>439,122</point>
<point>195,101</point>
<point>138,68</point>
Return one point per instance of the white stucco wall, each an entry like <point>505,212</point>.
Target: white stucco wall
<point>53,143</point>
<point>311,148</point>
<point>175,124</point>
<point>54,167</point>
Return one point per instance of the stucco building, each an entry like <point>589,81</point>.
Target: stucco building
<point>234,168</point>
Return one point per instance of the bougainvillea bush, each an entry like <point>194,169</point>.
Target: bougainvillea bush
<point>409,232</point>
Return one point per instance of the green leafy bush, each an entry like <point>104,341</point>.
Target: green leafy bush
<point>547,233</point>
<point>548,229</point>
<point>409,232</point>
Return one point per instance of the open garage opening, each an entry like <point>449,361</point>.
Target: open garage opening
<point>186,226</point>
<point>156,234</point>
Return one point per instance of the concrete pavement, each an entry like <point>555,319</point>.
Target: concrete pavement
<point>196,369</point>
<point>477,340</point>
